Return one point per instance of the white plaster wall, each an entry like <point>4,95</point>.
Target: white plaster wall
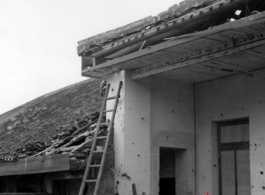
<point>132,135</point>
<point>230,98</point>
<point>118,132</point>
<point>152,113</point>
<point>172,125</point>
<point>137,133</point>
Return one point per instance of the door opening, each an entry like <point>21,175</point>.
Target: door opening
<point>172,172</point>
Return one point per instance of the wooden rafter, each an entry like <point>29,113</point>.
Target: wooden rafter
<point>235,45</point>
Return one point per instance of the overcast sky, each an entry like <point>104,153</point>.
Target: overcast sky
<point>38,40</point>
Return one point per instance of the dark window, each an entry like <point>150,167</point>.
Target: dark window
<point>30,183</point>
<point>59,187</point>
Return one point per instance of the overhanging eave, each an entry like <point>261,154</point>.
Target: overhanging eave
<point>40,164</point>
<point>189,50</point>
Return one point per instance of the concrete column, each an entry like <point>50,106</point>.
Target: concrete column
<point>131,134</point>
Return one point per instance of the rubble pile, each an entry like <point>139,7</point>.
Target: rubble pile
<point>31,148</point>
<point>75,139</point>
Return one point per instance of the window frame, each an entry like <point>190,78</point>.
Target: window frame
<point>245,145</point>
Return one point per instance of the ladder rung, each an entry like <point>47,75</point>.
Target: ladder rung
<point>102,137</point>
<point>91,180</point>
<point>108,110</point>
<point>94,165</point>
<point>111,98</point>
<point>101,151</point>
<point>102,124</point>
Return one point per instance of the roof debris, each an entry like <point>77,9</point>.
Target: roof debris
<point>75,140</point>
<point>50,119</point>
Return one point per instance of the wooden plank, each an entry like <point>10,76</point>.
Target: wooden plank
<point>206,42</point>
<point>219,37</point>
<point>36,165</point>
<point>253,29</point>
<point>199,44</point>
<point>153,57</point>
<point>234,33</point>
<point>129,66</point>
<point>209,70</point>
<point>178,50</point>
<point>243,60</point>
<point>187,76</point>
<point>256,54</point>
<point>167,54</point>
<point>257,16</point>
<point>260,49</point>
<point>137,63</point>
<point>222,65</point>
<point>187,48</point>
<point>145,61</point>
<point>225,49</point>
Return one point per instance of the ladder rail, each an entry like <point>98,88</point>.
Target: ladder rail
<point>81,191</point>
<point>110,128</point>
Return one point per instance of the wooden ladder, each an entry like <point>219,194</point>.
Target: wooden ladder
<point>102,152</point>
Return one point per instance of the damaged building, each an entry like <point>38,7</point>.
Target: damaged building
<point>190,114</point>
<point>44,143</point>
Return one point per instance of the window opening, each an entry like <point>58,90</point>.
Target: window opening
<point>234,165</point>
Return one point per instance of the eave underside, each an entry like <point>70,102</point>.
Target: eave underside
<point>40,164</point>
<point>231,48</point>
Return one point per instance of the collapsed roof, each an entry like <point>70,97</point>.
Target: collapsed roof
<point>54,133</point>
<point>188,17</point>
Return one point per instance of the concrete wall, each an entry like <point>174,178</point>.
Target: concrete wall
<point>224,99</point>
<point>132,134</point>
<point>172,125</point>
<point>152,113</point>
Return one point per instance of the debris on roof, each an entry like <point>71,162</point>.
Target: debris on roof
<point>75,140</point>
<point>51,119</point>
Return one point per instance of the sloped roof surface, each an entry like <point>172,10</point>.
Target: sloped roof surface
<point>45,117</point>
